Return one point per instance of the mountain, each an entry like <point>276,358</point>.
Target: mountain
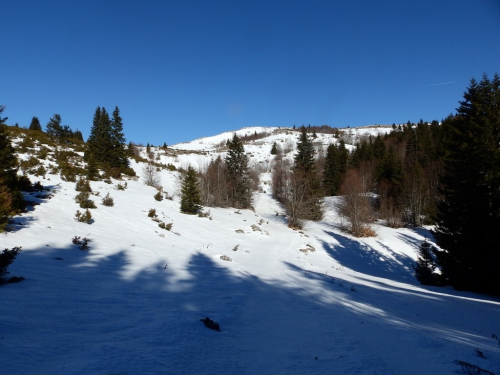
<point>315,301</point>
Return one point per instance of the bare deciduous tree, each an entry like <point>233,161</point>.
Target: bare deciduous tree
<point>355,205</point>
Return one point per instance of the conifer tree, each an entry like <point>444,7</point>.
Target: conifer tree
<point>106,143</point>
<point>238,175</point>
<point>424,269</point>
<point>190,192</point>
<point>13,200</point>
<point>54,127</point>
<point>304,160</point>
<point>274,149</point>
<point>469,216</point>
<point>35,124</point>
<point>335,168</point>
<point>118,154</point>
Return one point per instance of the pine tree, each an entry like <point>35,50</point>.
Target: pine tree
<point>106,143</point>
<point>304,160</point>
<point>2,119</point>
<point>8,174</point>
<point>424,269</point>
<point>335,168</point>
<point>238,175</point>
<point>54,127</point>
<point>469,216</point>
<point>118,153</point>
<point>190,192</point>
<point>35,124</point>
<point>274,149</point>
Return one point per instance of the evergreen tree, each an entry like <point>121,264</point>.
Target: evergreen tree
<point>106,143</point>
<point>424,269</point>
<point>54,127</point>
<point>335,168</point>
<point>469,216</point>
<point>274,149</point>
<point>304,160</point>
<point>13,200</point>
<point>35,124</point>
<point>118,154</point>
<point>2,119</point>
<point>190,192</point>
<point>238,175</point>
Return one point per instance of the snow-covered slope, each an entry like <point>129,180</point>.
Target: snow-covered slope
<point>316,301</point>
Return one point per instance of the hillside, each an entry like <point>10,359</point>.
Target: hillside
<point>315,301</point>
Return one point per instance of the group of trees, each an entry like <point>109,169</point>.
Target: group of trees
<point>106,145</point>
<point>298,186</point>
<point>228,182</point>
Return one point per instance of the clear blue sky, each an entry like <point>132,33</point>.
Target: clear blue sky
<point>179,70</point>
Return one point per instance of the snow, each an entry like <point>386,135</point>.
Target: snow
<point>132,304</point>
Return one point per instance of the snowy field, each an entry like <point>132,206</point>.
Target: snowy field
<point>316,301</point>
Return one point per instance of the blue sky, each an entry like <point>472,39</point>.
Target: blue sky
<point>180,70</point>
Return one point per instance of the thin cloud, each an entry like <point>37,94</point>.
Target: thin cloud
<point>439,84</point>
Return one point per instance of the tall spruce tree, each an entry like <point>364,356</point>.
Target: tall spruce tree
<point>468,227</point>
<point>54,127</point>
<point>238,175</point>
<point>190,192</point>
<point>304,159</point>
<point>35,124</point>
<point>119,152</point>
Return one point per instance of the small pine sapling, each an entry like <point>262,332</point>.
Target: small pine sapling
<point>108,201</point>
<point>85,217</point>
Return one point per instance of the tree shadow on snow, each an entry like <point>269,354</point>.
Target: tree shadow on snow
<point>91,312</point>
<point>360,257</point>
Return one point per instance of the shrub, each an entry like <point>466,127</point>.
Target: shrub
<point>68,173</point>
<point>168,226</point>
<point>40,171</point>
<point>159,196</point>
<point>152,212</point>
<point>6,258</point>
<point>85,217</point>
<point>128,171</point>
<point>107,181</point>
<point>28,164</point>
<point>43,152</point>
<point>82,243</point>
<point>121,187</point>
<point>83,185</point>
<point>84,201</point>
<point>108,201</point>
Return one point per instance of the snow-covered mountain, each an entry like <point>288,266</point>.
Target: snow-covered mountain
<point>316,301</point>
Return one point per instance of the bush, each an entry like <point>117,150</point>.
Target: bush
<point>83,185</point>
<point>85,217</point>
<point>82,242</point>
<point>168,226</point>
<point>152,212</point>
<point>159,196</point>
<point>108,201</point>
<point>6,258</point>
<point>40,171</point>
<point>43,152</point>
<point>121,187</point>
<point>84,201</point>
